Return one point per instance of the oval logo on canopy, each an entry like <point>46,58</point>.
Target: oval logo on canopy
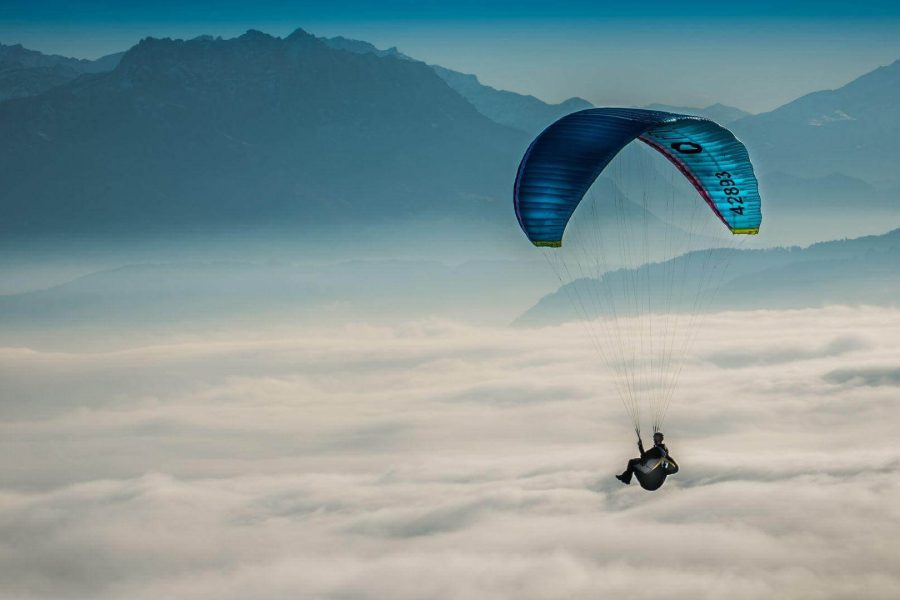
<point>687,147</point>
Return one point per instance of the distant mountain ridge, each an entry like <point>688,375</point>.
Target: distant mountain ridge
<point>720,113</point>
<point>210,132</point>
<point>25,72</point>
<point>183,292</point>
<point>851,130</point>
<point>28,72</point>
<point>526,113</point>
<point>268,135</point>
<point>523,112</point>
<point>361,47</point>
<point>856,271</point>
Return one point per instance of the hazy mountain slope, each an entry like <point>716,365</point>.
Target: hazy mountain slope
<point>523,112</point>
<point>852,130</point>
<point>104,63</point>
<point>310,133</point>
<point>15,56</point>
<point>803,210</point>
<point>516,110</point>
<point>857,271</point>
<point>26,72</point>
<point>361,47</point>
<point>190,135</point>
<point>179,293</point>
<point>720,113</point>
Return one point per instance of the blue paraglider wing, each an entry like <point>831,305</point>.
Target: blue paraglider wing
<point>565,159</point>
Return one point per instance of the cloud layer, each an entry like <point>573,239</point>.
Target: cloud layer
<point>437,460</point>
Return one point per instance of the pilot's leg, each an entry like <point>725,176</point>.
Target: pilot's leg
<point>626,476</point>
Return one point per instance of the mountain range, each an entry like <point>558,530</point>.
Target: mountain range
<point>858,271</point>
<point>313,134</point>
<point>207,133</point>
<point>520,111</point>
<point>25,72</point>
<point>186,293</point>
<point>720,113</point>
<point>851,130</point>
<point>853,271</point>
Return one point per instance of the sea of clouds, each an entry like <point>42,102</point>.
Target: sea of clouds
<point>437,460</point>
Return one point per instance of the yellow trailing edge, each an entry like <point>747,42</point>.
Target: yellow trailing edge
<point>748,231</point>
<point>556,244</point>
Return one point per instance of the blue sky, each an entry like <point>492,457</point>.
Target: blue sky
<point>753,55</point>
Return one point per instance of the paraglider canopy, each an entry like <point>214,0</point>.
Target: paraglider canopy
<point>640,266</point>
<point>564,160</point>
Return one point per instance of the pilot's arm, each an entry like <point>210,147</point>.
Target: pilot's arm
<point>673,466</point>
